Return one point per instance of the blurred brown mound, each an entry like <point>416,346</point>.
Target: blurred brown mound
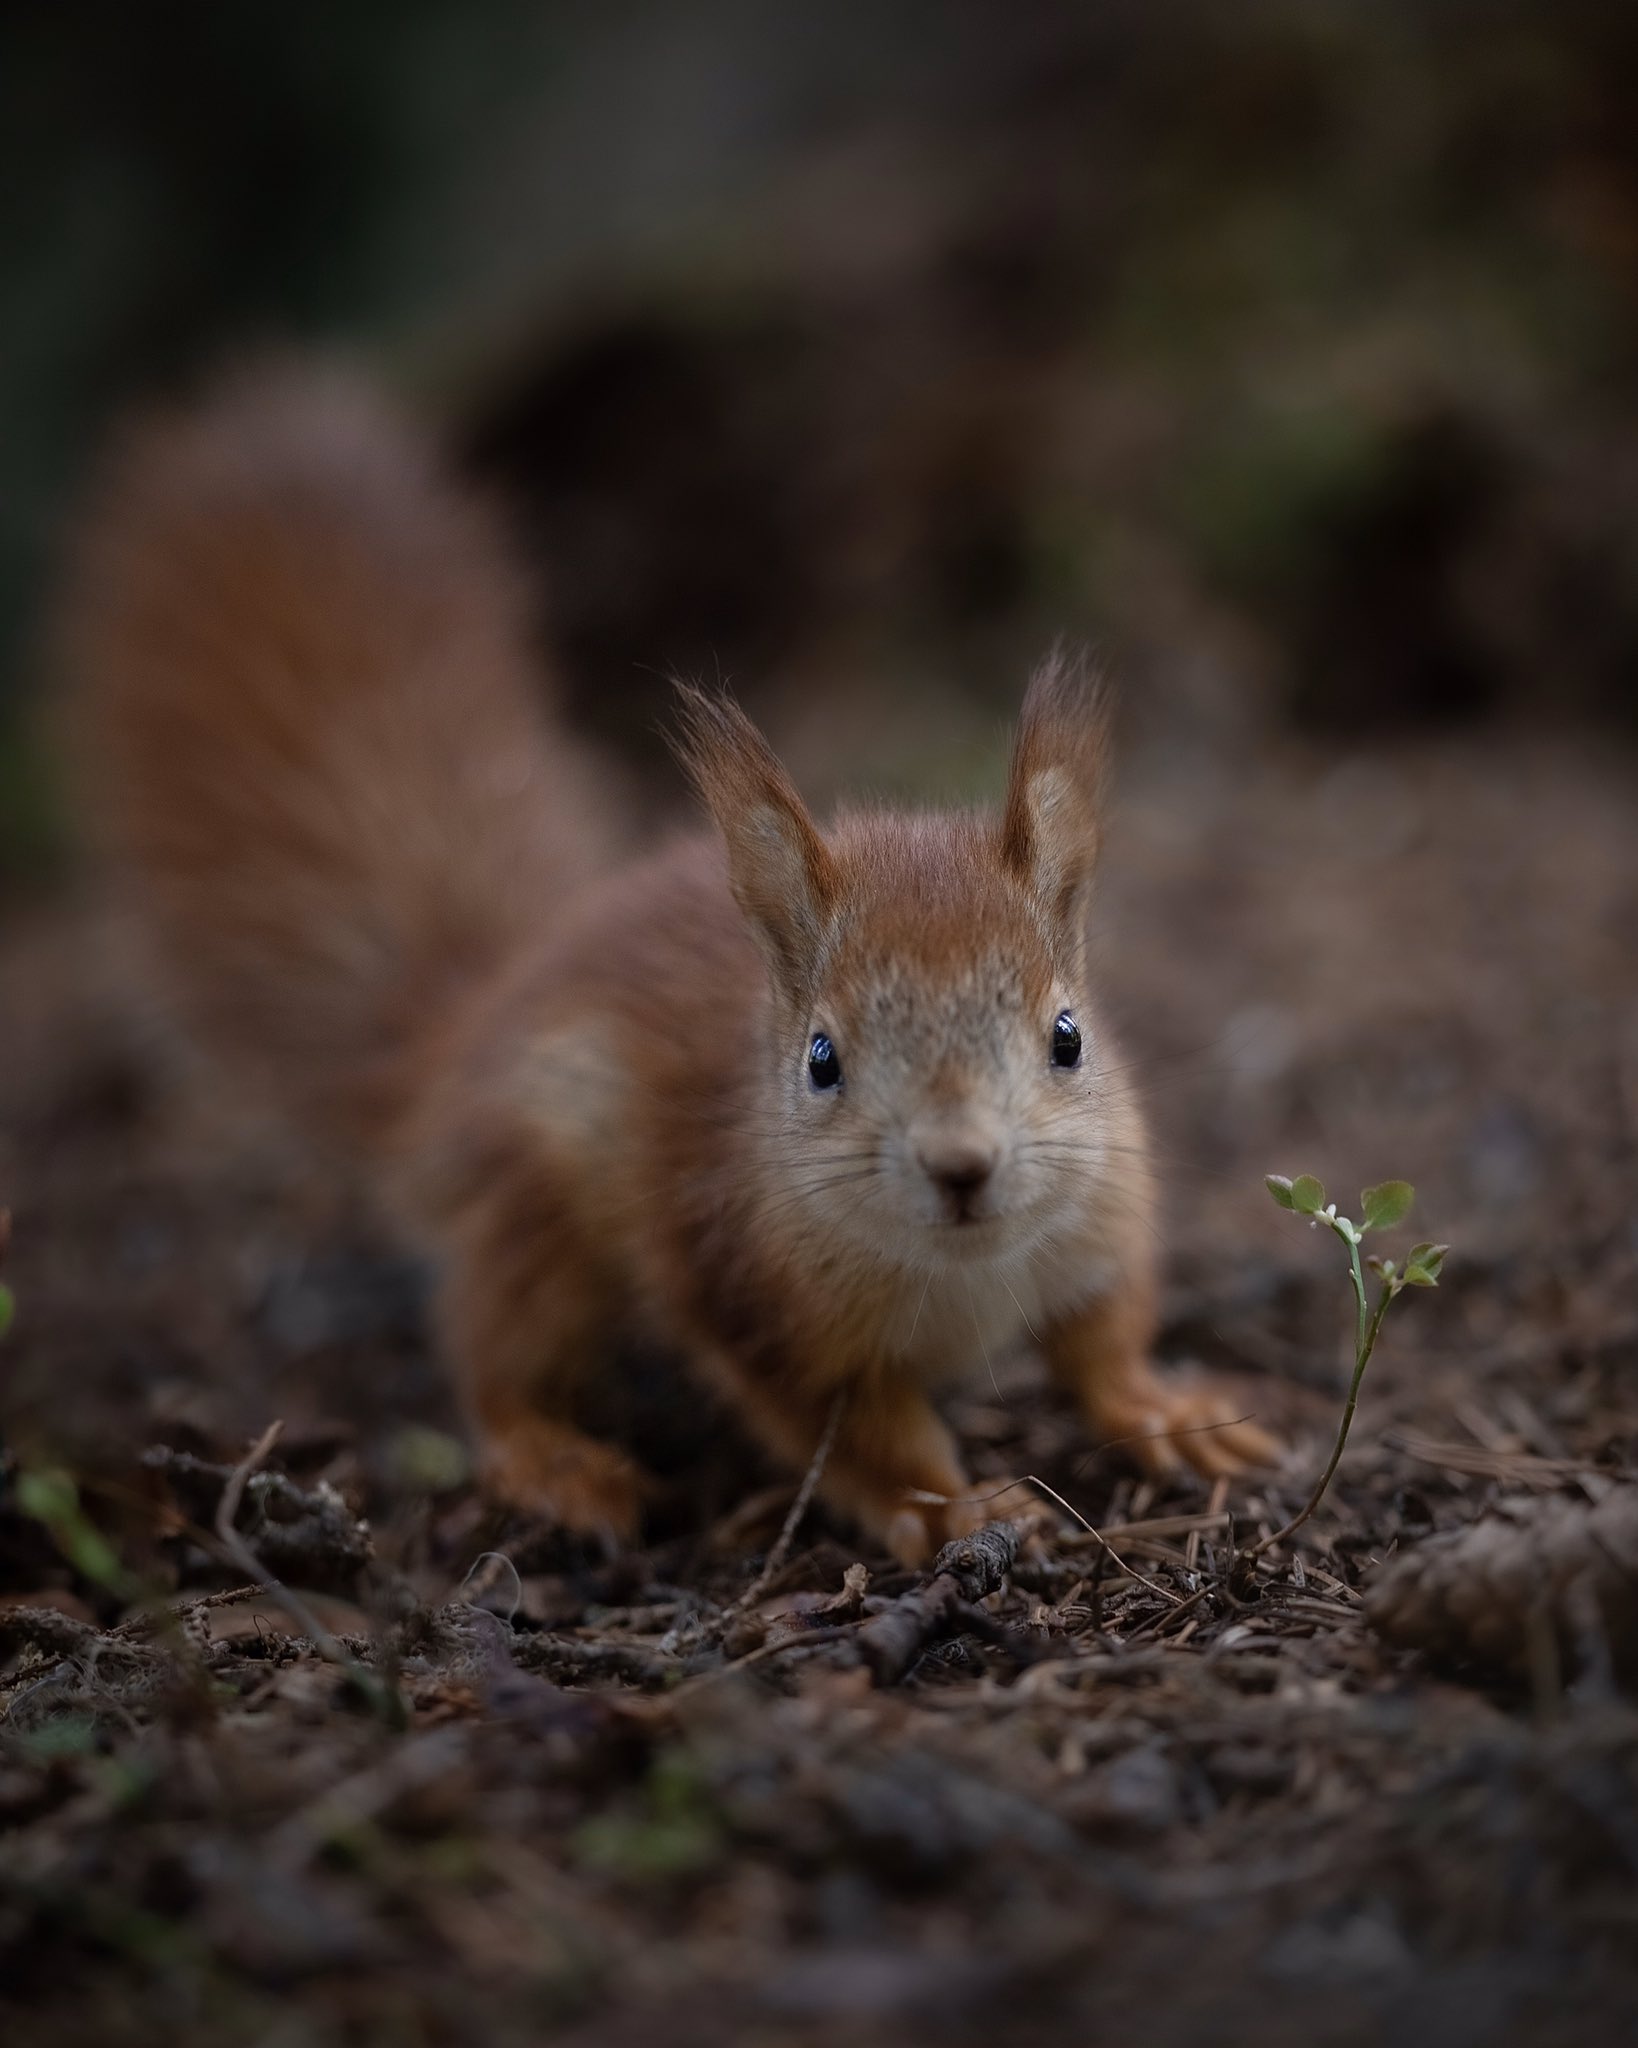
<point>1556,1577</point>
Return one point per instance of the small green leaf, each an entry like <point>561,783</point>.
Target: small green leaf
<point>1387,1204</point>
<point>8,1308</point>
<point>1280,1188</point>
<point>1383,1267</point>
<point>1307,1195</point>
<point>1424,1264</point>
<point>52,1498</point>
<point>48,1497</point>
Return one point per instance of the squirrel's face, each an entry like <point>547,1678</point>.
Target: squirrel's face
<point>939,1089</point>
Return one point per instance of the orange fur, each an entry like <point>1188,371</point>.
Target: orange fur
<point>369,874</point>
<point>310,736</point>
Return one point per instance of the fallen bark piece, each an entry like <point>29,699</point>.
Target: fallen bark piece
<point>832,1608</point>
<point>305,1534</point>
<point>980,1563</point>
<point>48,1630</point>
<point>964,1571</point>
<point>1532,1575</point>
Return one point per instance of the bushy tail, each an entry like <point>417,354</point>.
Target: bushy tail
<point>313,738</point>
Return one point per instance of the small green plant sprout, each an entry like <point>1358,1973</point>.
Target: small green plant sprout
<point>1381,1208</point>
<point>52,1499</point>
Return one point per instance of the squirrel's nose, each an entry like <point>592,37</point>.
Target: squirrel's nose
<point>959,1163</point>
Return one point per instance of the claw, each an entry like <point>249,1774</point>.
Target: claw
<point>1169,1427</point>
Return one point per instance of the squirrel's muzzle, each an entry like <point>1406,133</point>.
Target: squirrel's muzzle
<point>959,1160</point>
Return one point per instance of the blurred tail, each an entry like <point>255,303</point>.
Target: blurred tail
<point>313,738</point>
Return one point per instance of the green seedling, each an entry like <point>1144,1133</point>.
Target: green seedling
<point>1381,1208</point>
<point>52,1499</point>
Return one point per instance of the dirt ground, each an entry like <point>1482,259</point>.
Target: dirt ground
<point>1140,1793</point>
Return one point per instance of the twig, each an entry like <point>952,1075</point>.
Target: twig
<point>1182,1607</point>
<point>798,1508</point>
<point>1217,1513</point>
<point>48,1630</point>
<point>890,1641</point>
<point>1108,1549</point>
<point>1153,1529</point>
<point>775,1646</point>
<point>574,1660</point>
<point>963,1572</point>
<point>1523,1467</point>
<point>383,1698</point>
<point>305,1533</point>
<point>1155,1436</point>
<point>1097,1535</point>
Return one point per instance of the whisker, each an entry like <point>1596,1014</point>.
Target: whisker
<point>983,1349</point>
<point>806,1190</point>
<point>920,1305</point>
<point>1017,1304</point>
<point>1087,1459</point>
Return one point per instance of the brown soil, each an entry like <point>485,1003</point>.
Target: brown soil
<point>1170,1800</point>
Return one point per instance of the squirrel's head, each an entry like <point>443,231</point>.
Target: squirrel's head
<point>939,1088</point>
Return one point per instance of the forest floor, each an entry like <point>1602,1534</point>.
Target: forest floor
<point>474,1784</point>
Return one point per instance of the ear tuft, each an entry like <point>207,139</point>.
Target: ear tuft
<point>781,871</point>
<point>1052,823</point>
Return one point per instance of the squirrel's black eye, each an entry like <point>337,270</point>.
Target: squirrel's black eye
<point>1066,1041</point>
<point>824,1068</point>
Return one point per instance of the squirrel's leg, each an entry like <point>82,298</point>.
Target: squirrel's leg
<point>523,1311</point>
<point>888,1446</point>
<point>1099,1354</point>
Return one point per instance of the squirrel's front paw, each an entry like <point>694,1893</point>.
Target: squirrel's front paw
<point>914,1532</point>
<point>1170,1426</point>
<point>550,1469</point>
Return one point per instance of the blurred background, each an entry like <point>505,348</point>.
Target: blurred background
<point>1288,353</point>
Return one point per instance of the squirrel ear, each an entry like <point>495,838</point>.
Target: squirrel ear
<point>781,871</point>
<point>1052,822</point>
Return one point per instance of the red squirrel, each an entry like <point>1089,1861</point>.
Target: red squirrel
<point>831,1114</point>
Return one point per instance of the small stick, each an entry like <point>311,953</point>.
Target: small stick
<point>1219,1502</point>
<point>1154,1529</point>
<point>1524,1467</point>
<point>1155,1436</point>
<point>1029,1479</point>
<point>798,1508</point>
<point>963,1572</point>
<point>381,1697</point>
<point>1108,1548</point>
